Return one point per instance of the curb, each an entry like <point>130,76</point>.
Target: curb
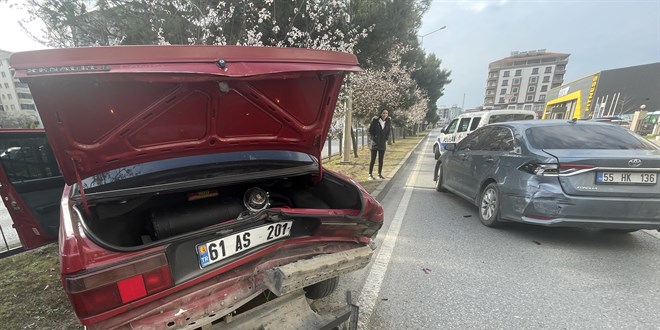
<point>386,183</point>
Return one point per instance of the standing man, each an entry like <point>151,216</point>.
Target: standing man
<point>379,132</point>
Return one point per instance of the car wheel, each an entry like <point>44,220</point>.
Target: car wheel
<point>489,206</point>
<point>438,182</point>
<point>436,152</point>
<point>322,289</point>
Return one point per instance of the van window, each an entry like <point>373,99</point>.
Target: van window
<point>463,125</point>
<point>475,123</point>
<point>522,116</point>
<point>500,118</point>
<point>452,127</point>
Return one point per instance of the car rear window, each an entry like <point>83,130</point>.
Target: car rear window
<point>584,137</point>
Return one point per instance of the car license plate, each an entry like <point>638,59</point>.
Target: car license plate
<point>627,177</point>
<point>217,250</point>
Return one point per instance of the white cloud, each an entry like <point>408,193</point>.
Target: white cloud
<point>480,6</point>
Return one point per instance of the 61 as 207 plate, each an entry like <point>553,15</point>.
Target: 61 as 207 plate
<point>217,250</point>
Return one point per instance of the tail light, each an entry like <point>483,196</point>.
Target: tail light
<point>541,169</point>
<point>104,290</point>
<point>572,168</point>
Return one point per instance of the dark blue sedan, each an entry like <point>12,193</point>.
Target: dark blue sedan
<point>556,173</point>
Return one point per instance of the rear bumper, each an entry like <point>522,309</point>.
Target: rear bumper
<point>215,300</point>
<point>561,210</point>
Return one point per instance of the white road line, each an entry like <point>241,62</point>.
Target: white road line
<point>371,289</point>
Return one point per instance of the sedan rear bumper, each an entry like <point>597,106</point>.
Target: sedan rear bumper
<point>561,210</point>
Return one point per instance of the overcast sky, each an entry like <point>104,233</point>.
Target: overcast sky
<point>599,35</point>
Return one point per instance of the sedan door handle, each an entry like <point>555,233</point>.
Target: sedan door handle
<point>490,160</point>
<point>463,156</point>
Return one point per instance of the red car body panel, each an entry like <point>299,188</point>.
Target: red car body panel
<point>110,107</point>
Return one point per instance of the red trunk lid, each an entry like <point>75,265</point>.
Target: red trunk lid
<point>110,107</point>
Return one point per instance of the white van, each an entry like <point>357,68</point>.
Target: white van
<point>464,124</point>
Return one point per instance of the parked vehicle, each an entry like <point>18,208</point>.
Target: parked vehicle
<point>556,173</point>
<point>466,123</point>
<point>193,191</point>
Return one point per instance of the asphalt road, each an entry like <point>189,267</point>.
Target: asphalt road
<point>437,267</point>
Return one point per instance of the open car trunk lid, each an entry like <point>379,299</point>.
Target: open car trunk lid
<point>110,107</point>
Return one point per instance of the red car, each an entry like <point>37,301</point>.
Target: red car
<point>193,186</point>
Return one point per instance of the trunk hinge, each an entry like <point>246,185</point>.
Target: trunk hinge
<point>81,190</point>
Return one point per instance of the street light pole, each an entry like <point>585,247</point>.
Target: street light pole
<point>434,31</point>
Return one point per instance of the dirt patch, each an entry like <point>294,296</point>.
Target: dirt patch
<point>32,295</point>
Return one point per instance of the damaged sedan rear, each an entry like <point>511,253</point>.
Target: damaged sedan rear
<point>194,190</point>
<point>557,173</point>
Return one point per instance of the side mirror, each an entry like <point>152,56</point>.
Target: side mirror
<point>444,130</point>
<point>450,146</point>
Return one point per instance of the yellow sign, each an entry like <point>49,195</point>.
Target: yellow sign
<point>592,90</point>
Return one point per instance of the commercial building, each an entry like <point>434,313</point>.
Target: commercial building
<point>449,113</point>
<point>15,96</point>
<point>522,80</point>
<point>607,93</point>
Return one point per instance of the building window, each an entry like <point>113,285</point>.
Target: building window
<point>503,91</point>
<point>516,81</point>
<point>4,97</point>
<point>505,82</point>
<point>513,99</point>
<point>546,79</point>
<point>544,88</point>
<point>489,92</point>
<point>535,71</point>
<point>548,69</point>
<point>528,107</point>
<point>24,96</point>
<point>9,97</point>
<point>529,98</point>
<point>533,80</point>
<point>28,107</point>
<point>13,107</point>
<point>531,89</point>
<point>501,100</point>
<point>519,72</point>
<point>2,107</point>
<point>4,75</point>
<point>559,77</point>
<point>7,85</point>
<point>506,73</point>
<point>514,90</point>
<point>542,97</point>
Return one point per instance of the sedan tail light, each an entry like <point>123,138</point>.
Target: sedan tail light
<point>540,169</point>
<point>104,290</point>
<point>554,169</point>
<point>572,168</point>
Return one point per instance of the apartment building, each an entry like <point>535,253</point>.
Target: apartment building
<point>15,95</point>
<point>522,80</point>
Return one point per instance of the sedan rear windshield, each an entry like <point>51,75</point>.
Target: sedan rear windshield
<point>585,137</point>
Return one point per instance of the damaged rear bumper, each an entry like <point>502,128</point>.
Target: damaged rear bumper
<point>556,209</point>
<point>213,303</point>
